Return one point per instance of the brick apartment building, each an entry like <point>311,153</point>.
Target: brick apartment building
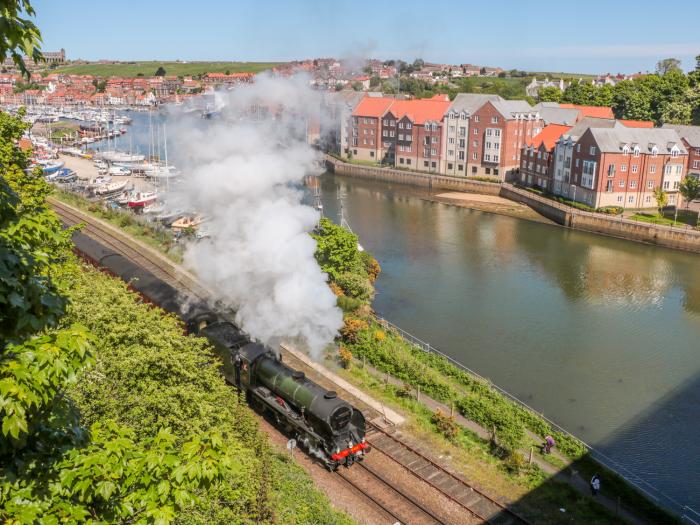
<point>366,128</point>
<point>537,157</point>
<point>602,162</point>
<point>498,131</point>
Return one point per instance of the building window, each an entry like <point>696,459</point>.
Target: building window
<point>495,171</point>
<point>494,120</point>
<point>495,158</point>
<point>400,125</point>
<point>652,168</point>
<point>636,151</point>
<point>475,156</point>
<point>408,161</point>
<point>623,168</point>
<point>460,167</point>
<point>451,140</point>
<point>462,131</point>
<point>449,165</point>
<point>487,157</point>
<point>371,153</point>
<point>476,118</point>
<point>473,169</point>
<point>577,163</point>
<point>578,148</point>
<point>619,198</point>
<point>497,132</point>
<point>488,132</point>
<point>674,152</point>
<point>450,152</point>
<point>635,168</point>
<point>476,131</point>
<point>391,133</point>
<point>385,133</point>
<point>401,160</point>
<point>400,136</point>
<point>647,199</point>
<point>621,184</point>
<point>630,199</point>
<point>435,139</point>
<point>609,186</point>
<point>487,171</point>
<point>611,170</point>
<point>592,150</point>
<point>433,164</point>
<point>666,184</point>
<point>425,163</point>
<point>633,184</point>
<point>433,151</point>
<point>461,155</point>
<point>409,125</point>
<point>386,122</point>
<point>696,164</point>
<point>650,184</point>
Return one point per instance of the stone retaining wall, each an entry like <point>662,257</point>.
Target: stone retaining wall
<point>677,238</point>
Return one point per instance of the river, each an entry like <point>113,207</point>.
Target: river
<point>601,335</point>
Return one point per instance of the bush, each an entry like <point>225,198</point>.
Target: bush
<point>356,286</point>
<point>493,180</point>
<point>345,356</point>
<point>348,304</point>
<point>445,424</point>
<point>351,329</point>
<point>610,210</point>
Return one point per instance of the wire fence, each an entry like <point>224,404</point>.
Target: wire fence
<point>687,513</point>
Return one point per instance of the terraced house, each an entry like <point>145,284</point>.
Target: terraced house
<point>690,135</point>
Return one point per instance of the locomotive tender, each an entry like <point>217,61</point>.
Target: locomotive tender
<point>326,426</point>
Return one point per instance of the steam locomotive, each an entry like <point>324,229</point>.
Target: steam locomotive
<point>324,425</point>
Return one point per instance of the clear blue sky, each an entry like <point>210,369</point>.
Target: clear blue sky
<point>589,37</point>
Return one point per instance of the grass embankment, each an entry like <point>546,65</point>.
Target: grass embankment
<point>154,235</point>
<point>683,218</point>
<point>149,375</point>
<point>149,68</point>
<point>499,461</point>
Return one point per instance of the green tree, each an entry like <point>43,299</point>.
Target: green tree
<point>690,189</point>
<point>374,81</point>
<point>550,94</point>
<point>357,86</point>
<point>160,72</point>
<point>661,199</point>
<point>678,112</point>
<point>667,65</point>
<point>18,35</point>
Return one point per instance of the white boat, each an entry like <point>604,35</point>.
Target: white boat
<point>187,222</point>
<point>160,171</point>
<point>141,199</point>
<point>120,156</point>
<point>98,181</point>
<point>119,171</point>
<point>111,188</point>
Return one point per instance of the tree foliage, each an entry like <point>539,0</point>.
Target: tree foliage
<point>690,189</point>
<point>661,198</point>
<point>667,65</point>
<point>550,94</point>
<point>19,36</point>
<point>160,72</point>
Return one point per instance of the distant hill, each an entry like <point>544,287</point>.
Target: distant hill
<point>132,69</point>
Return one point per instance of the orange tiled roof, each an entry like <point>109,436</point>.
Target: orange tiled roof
<point>418,110</point>
<point>636,123</point>
<point>591,111</point>
<point>549,136</point>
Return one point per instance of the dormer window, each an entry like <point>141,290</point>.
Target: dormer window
<point>625,150</point>
<point>675,151</point>
<point>636,151</point>
<point>654,151</point>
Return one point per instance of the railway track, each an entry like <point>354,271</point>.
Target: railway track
<point>397,505</point>
<point>450,485</point>
<point>119,242</point>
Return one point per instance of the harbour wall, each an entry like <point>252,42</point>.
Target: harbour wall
<point>687,239</point>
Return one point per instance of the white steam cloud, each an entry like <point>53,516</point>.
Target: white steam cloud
<point>242,172</point>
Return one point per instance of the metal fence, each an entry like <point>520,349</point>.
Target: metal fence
<point>687,513</point>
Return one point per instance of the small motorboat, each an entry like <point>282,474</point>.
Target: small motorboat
<point>111,188</point>
<point>142,199</point>
<point>50,166</point>
<point>187,222</point>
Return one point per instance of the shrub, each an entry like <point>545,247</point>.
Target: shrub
<point>348,304</point>
<point>445,424</point>
<point>351,328</point>
<point>345,356</point>
<point>610,210</point>
<point>337,290</point>
<point>355,285</point>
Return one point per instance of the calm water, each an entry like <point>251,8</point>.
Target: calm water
<point>601,335</point>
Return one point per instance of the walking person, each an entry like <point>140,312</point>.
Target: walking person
<point>548,444</point>
<point>595,484</point>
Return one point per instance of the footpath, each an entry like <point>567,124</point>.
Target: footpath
<point>572,477</point>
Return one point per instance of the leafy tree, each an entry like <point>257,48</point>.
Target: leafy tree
<point>690,189</point>
<point>678,112</point>
<point>357,86</point>
<point>550,94</point>
<point>336,249</point>
<point>227,72</point>
<point>160,72</point>
<point>374,81</point>
<point>19,35</point>
<point>661,198</point>
<point>667,65</point>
